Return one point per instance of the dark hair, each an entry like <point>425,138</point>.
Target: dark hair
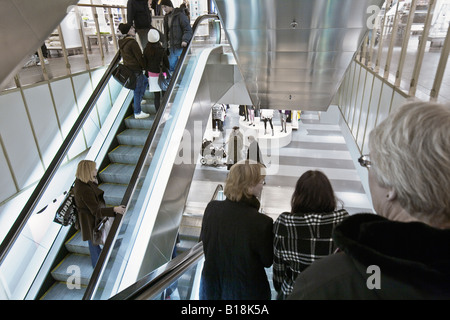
<point>313,193</point>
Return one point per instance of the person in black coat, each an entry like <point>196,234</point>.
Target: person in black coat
<point>154,55</point>
<point>139,15</point>
<point>237,239</point>
<point>91,204</point>
<point>177,30</point>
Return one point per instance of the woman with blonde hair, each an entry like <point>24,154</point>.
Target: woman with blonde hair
<point>91,204</point>
<point>237,239</point>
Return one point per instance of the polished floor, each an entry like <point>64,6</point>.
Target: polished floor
<point>314,146</point>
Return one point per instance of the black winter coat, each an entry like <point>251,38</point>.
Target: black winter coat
<point>237,241</point>
<point>139,13</point>
<point>381,259</point>
<point>154,53</point>
<point>179,29</point>
<point>131,54</point>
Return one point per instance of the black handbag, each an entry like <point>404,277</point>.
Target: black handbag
<point>67,213</point>
<point>125,76</point>
<point>101,231</point>
<point>164,77</point>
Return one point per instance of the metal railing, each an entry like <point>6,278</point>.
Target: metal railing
<point>152,284</point>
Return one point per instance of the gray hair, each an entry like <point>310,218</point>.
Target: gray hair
<point>410,152</point>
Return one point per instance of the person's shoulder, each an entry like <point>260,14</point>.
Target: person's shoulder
<point>326,278</point>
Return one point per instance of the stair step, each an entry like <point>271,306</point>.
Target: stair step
<point>60,291</point>
<point>125,154</point>
<point>76,244</point>
<point>145,123</point>
<point>113,193</point>
<point>133,137</point>
<point>192,221</point>
<point>64,269</point>
<point>117,173</point>
<point>189,232</point>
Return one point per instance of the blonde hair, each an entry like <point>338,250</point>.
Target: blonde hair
<point>410,152</point>
<point>85,169</point>
<point>242,177</point>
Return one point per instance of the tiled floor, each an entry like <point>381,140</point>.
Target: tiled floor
<point>314,146</point>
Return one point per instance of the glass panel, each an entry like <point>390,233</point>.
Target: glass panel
<point>185,287</point>
<point>29,251</point>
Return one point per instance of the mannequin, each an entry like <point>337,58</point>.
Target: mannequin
<point>283,120</point>
<point>267,115</point>
<point>218,116</point>
<point>251,112</point>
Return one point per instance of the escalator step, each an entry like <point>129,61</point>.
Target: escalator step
<point>117,173</point>
<point>125,154</point>
<point>76,244</point>
<point>133,137</point>
<point>71,265</point>
<point>113,193</point>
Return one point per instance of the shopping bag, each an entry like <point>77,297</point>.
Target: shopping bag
<point>67,213</point>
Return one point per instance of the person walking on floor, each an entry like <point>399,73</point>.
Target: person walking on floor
<point>132,58</point>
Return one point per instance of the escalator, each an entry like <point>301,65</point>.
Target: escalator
<point>178,279</point>
<point>114,179</point>
<point>134,167</point>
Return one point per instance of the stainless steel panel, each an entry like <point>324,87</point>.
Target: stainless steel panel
<point>295,48</point>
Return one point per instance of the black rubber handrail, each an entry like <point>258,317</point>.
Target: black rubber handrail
<point>153,283</point>
<point>32,202</point>
<point>106,251</point>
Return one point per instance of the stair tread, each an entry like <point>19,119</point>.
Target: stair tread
<point>76,244</point>
<point>64,269</point>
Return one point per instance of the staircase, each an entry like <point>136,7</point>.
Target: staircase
<point>115,178</point>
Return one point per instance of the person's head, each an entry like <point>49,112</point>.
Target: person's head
<point>153,36</point>
<point>313,194</point>
<point>126,28</point>
<point>244,180</point>
<point>86,171</point>
<point>166,6</point>
<point>410,162</point>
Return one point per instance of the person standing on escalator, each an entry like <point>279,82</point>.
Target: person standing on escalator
<point>177,31</point>
<point>91,204</point>
<point>132,58</point>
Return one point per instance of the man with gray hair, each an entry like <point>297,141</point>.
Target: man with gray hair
<point>403,251</point>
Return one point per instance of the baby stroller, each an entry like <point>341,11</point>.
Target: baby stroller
<point>212,155</point>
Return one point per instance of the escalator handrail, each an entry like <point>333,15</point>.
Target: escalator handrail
<point>40,188</point>
<point>106,251</point>
<point>154,282</point>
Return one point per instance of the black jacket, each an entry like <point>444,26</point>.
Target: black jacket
<point>154,54</point>
<point>179,29</point>
<point>405,260</point>
<point>131,54</point>
<point>139,13</point>
<point>237,241</point>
